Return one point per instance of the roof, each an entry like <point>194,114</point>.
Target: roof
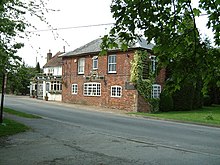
<point>94,47</point>
<point>55,61</point>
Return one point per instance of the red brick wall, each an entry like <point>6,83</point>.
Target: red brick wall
<point>70,76</point>
<point>161,77</point>
<point>129,100</point>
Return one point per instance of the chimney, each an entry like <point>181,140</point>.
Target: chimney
<point>49,56</point>
<point>64,49</point>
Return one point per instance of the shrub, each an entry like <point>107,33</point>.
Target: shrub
<point>207,101</point>
<point>183,98</point>
<point>154,105</point>
<point>166,102</point>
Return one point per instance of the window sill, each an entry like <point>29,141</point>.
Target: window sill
<point>112,72</point>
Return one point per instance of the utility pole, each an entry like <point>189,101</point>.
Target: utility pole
<point>2,98</point>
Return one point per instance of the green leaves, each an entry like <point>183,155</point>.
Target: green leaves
<point>12,26</point>
<point>196,12</point>
<point>172,26</point>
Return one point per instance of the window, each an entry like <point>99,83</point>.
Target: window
<point>112,64</point>
<point>145,73</point>
<point>95,63</point>
<point>156,90</point>
<point>116,91</point>
<point>153,63</point>
<point>47,87</point>
<point>74,89</point>
<point>81,65</point>
<point>92,89</point>
<point>56,86</point>
<point>51,70</point>
<point>149,66</point>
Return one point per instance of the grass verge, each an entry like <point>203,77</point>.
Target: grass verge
<point>21,114</point>
<point>11,127</point>
<point>206,115</point>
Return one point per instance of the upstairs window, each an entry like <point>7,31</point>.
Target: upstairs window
<point>112,64</point>
<point>95,63</point>
<point>81,65</point>
<point>156,90</point>
<point>146,69</point>
<point>149,65</point>
<point>153,63</point>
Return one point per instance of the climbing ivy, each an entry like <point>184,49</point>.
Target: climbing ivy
<point>143,86</point>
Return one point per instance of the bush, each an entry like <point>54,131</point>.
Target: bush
<point>207,101</point>
<point>183,98</point>
<point>197,99</point>
<point>166,102</point>
<point>154,105</point>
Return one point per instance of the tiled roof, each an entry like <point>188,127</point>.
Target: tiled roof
<point>54,61</point>
<point>94,47</point>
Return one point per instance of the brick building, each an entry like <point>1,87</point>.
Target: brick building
<point>103,80</point>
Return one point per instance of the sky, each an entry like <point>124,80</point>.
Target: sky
<point>73,18</point>
<point>73,15</point>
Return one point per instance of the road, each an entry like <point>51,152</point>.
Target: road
<point>92,137</point>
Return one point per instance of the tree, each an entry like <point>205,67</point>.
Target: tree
<point>12,25</point>
<point>18,81</point>
<point>171,25</point>
<point>38,70</point>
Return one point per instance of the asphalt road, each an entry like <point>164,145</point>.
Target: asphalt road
<point>72,134</point>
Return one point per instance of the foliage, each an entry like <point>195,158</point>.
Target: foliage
<point>183,98</point>
<point>154,104</point>
<point>144,86</point>
<point>207,100</point>
<point>172,26</point>
<point>13,23</point>
<point>38,68</point>
<point>166,102</point>
<point>197,96</point>
<point>18,80</point>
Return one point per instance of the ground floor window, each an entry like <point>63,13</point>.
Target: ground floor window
<point>156,90</point>
<point>92,89</point>
<point>74,89</point>
<point>55,86</point>
<point>47,87</point>
<point>116,91</point>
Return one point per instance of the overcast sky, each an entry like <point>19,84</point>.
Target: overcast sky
<point>72,14</point>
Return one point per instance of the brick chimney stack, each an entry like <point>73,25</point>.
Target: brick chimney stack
<point>49,56</point>
<point>64,49</point>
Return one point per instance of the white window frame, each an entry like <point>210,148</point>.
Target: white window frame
<point>55,86</point>
<point>74,89</point>
<point>156,90</point>
<point>81,65</point>
<point>47,86</point>
<point>92,89</point>
<point>112,63</point>
<point>95,63</point>
<point>153,63</point>
<point>117,92</point>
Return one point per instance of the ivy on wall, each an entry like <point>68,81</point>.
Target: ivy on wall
<point>139,64</point>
